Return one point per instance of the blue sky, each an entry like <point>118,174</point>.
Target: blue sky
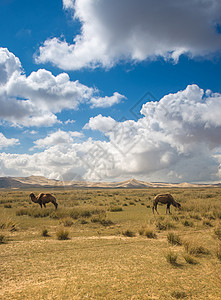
<point>90,90</point>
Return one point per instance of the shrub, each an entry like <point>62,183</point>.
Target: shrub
<point>44,232</point>
<point>7,206</point>
<point>171,257</point>
<point>175,218</point>
<point>217,214</point>
<point>33,212</point>
<point>190,260</point>
<point>83,221</point>
<point>128,233</point>
<point>8,224</point>
<point>207,223</point>
<point>193,248</point>
<point>116,208</point>
<point>196,217</point>
<point>187,223</point>
<point>2,239</point>
<point>141,231</point>
<point>62,234</point>
<point>67,222</point>
<point>174,239</point>
<point>217,232</point>
<point>102,220</point>
<point>165,225</point>
<point>150,234</point>
<point>210,216</point>
<point>218,252</point>
<point>179,294</point>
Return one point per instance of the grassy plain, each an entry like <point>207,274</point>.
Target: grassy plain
<point>115,248</point>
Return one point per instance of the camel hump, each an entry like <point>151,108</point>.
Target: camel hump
<point>50,196</point>
<point>164,196</point>
<point>40,195</point>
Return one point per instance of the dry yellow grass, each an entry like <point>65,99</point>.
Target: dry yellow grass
<point>98,262</point>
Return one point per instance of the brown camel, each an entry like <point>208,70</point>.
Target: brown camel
<point>43,199</point>
<point>165,199</point>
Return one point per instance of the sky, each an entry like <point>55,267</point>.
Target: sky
<point>104,90</point>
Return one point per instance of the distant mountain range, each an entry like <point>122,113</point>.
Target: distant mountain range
<point>42,182</point>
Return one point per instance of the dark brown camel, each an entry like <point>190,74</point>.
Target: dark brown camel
<point>165,199</point>
<point>43,199</point>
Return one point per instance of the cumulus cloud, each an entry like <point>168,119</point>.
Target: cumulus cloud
<point>68,4</point>
<point>101,123</point>
<point>177,139</point>
<point>34,100</point>
<point>9,64</point>
<point>106,101</point>
<point>5,142</point>
<point>112,31</point>
<point>58,137</point>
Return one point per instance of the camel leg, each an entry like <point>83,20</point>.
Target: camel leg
<point>156,209</point>
<point>168,208</point>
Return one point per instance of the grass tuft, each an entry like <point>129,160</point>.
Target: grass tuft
<point>207,223</point>
<point>116,208</point>
<point>67,222</point>
<point>218,252</point>
<point>217,232</point>
<point>171,257</point>
<point>45,232</point>
<point>101,218</point>
<point>129,233</point>
<point>2,239</point>
<point>148,232</point>
<point>192,247</point>
<point>62,234</point>
<point>174,239</point>
<point>190,260</point>
<point>188,223</point>
<point>179,294</point>
<point>165,225</point>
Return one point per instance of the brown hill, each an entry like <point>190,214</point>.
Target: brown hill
<point>40,181</point>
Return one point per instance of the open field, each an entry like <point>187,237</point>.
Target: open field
<point>107,244</point>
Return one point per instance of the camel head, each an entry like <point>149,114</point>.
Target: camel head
<point>33,198</point>
<point>178,205</point>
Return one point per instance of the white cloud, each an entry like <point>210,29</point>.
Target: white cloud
<point>68,4</point>
<point>9,64</point>
<point>5,142</point>
<point>107,101</point>
<point>56,138</point>
<point>101,123</point>
<point>135,30</point>
<point>49,92</point>
<point>177,139</point>
<point>69,121</point>
<point>34,100</point>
